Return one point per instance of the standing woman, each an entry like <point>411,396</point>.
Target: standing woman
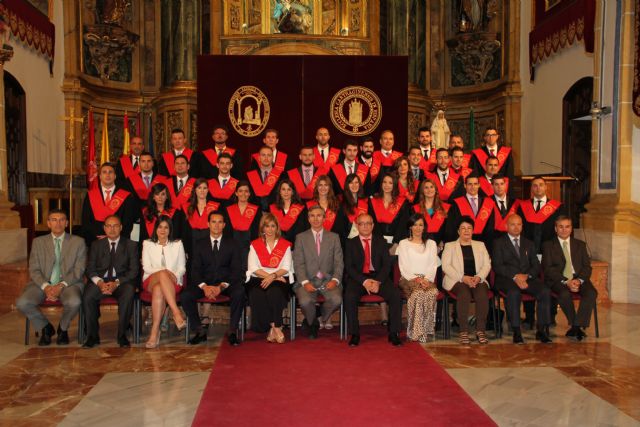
<point>163,266</point>
<point>354,204</point>
<point>244,219</point>
<point>288,210</point>
<point>433,210</point>
<point>407,184</point>
<point>324,196</point>
<point>418,261</point>
<point>269,278</point>
<point>197,212</point>
<point>159,204</point>
<point>389,211</point>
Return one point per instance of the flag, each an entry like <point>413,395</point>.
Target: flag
<point>125,147</point>
<point>92,167</point>
<point>472,130</point>
<point>104,150</point>
<point>151,150</point>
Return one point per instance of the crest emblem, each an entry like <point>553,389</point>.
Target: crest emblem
<point>249,111</point>
<point>356,110</point>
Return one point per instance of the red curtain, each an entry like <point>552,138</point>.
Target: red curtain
<point>29,25</point>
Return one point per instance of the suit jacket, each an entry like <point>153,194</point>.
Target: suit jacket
<point>127,262</point>
<point>553,261</point>
<point>506,262</point>
<point>213,269</point>
<point>453,262</point>
<point>127,212</point>
<point>507,167</point>
<point>73,260</point>
<point>306,261</point>
<point>354,259</point>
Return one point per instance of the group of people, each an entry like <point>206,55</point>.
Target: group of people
<point>336,225</point>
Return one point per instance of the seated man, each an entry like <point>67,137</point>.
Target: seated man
<point>567,268</point>
<point>215,269</point>
<point>56,268</point>
<point>517,270</point>
<point>114,263</point>
<point>318,263</point>
<point>367,267</point>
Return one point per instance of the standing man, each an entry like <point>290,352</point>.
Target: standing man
<point>455,140</point>
<point>130,164</point>
<point>112,271</point>
<point>492,168</point>
<point>473,205</point>
<point>426,149</point>
<point>457,162</point>
<point>222,186</point>
<point>492,148</point>
<point>367,266</point>
<point>504,206</point>
<point>181,185</point>
<point>140,183</point>
<point>517,270</point>
<point>386,156</point>
<point>265,178</point>
<point>367,148</point>
<point>179,147</point>
<point>318,264</point>
<point>280,159</point>
<point>56,269</point>
<point>540,214</point>
<point>304,177</point>
<point>325,156</point>
<point>216,269</point>
<point>567,270</point>
<point>347,166</point>
<point>207,160</point>
<point>449,182</point>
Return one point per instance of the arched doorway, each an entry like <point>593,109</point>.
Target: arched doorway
<point>16,128</point>
<point>576,147</point>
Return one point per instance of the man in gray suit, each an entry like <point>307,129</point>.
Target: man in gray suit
<point>56,267</point>
<point>318,265</point>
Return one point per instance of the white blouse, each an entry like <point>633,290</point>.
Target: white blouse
<point>156,257</point>
<point>253,263</point>
<point>418,260</point>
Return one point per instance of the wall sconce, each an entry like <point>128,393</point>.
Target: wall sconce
<point>596,112</point>
<point>344,32</point>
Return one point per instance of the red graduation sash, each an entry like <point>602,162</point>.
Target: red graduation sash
<point>465,160</point>
<point>149,225</point>
<point>270,260</point>
<point>287,220</point>
<point>140,188</point>
<point>386,161</point>
<point>217,192</point>
<point>280,163</point>
<point>127,166</point>
<point>181,200</point>
<point>169,159</point>
<point>428,165</point>
<point>341,173</point>
<point>305,192</point>
<point>101,210</point>
<point>329,216</point>
<point>374,169</point>
<point>482,156</point>
<point>403,192</point>
<point>212,154</point>
<point>241,221</point>
<point>484,212</point>
<point>361,208</point>
<point>445,191</point>
<point>500,223</point>
<point>530,215</point>
<point>386,215</point>
<point>434,223</point>
<point>486,186</point>
<point>332,159</point>
<point>201,222</point>
<point>263,189</point>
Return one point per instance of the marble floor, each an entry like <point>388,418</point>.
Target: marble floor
<point>592,383</point>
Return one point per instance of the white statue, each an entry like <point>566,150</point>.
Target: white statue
<point>440,131</point>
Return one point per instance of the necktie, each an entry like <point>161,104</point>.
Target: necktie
<point>112,262</point>
<point>322,154</point>
<point>180,184</point>
<point>367,257</point>
<point>224,182</point>
<point>55,272</point>
<point>416,173</point>
<point>135,162</point>
<point>107,199</point>
<point>516,244</point>
<point>265,174</point>
<point>538,203</point>
<point>568,271</point>
<point>444,178</point>
<point>220,151</point>
<point>318,241</point>
<point>147,181</point>
<point>350,169</point>
<point>425,154</point>
<point>307,176</point>
<point>493,152</point>
<point>474,205</point>
<point>215,246</point>
<point>503,208</point>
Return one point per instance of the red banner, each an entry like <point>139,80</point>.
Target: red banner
<point>28,24</point>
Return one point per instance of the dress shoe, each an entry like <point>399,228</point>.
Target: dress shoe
<point>233,339</point>
<point>572,332</point>
<point>354,341</point>
<point>313,330</point>
<point>123,342</point>
<point>517,336</point>
<point>394,339</point>
<point>542,336</point>
<point>91,342</point>
<point>46,334</point>
<point>63,337</point>
<point>198,338</point>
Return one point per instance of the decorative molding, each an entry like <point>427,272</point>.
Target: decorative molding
<point>474,54</point>
<point>108,46</point>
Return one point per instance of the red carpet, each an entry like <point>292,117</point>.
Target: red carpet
<point>326,383</point>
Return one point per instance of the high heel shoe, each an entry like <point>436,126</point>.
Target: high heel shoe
<point>272,335</point>
<point>279,335</point>
<point>150,344</point>
<point>180,325</point>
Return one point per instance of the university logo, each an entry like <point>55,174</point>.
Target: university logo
<point>356,110</point>
<point>249,111</point>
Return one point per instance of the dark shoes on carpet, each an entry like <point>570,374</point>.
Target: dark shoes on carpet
<point>576,333</point>
<point>233,339</point>
<point>394,339</point>
<point>313,330</point>
<point>354,341</point>
<point>198,338</point>
<point>123,342</point>
<point>517,336</point>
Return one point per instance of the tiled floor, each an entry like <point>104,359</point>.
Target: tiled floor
<point>596,382</point>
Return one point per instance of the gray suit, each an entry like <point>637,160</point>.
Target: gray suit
<point>307,264</point>
<point>72,265</point>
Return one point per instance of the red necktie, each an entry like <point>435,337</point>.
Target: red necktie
<point>367,256</point>
<point>108,198</point>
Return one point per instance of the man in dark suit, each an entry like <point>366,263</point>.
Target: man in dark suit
<point>367,266</point>
<point>112,271</point>
<point>567,269</point>
<point>517,269</point>
<point>215,270</point>
<point>179,147</point>
<point>473,205</point>
<point>129,164</point>
<point>503,205</point>
<point>304,177</point>
<point>205,164</point>
<point>492,148</point>
<point>264,180</point>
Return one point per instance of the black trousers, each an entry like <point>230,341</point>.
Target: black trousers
<point>267,304</point>
<point>91,304</point>
<point>354,291</point>
<point>536,289</point>
<point>588,295</point>
<point>190,296</point>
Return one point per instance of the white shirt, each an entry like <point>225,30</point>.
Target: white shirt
<point>253,264</point>
<point>223,178</point>
<point>442,172</point>
<point>415,260</point>
<point>183,180</point>
<point>535,202</point>
<point>326,150</point>
<point>489,178</point>
<point>175,260</point>
<point>427,150</point>
<point>275,155</point>
<point>352,165</point>
<point>469,197</point>
<point>366,162</point>
<point>96,279</point>
<point>213,240</point>
<point>111,191</point>
<point>177,153</point>
<point>386,153</point>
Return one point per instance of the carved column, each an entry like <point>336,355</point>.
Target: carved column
<point>180,40</point>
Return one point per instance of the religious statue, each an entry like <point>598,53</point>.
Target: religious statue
<point>292,16</point>
<point>440,131</point>
<point>113,11</point>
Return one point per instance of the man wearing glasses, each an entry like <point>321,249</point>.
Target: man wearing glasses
<point>492,148</point>
<point>368,267</point>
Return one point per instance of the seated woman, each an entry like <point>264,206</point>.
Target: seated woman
<point>466,265</point>
<point>289,210</point>
<point>433,210</point>
<point>324,196</point>
<point>159,204</point>
<point>354,204</point>
<point>418,261</point>
<point>163,266</point>
<point>269,278</point>
<point>407,185</point>
<point>244,220</point>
